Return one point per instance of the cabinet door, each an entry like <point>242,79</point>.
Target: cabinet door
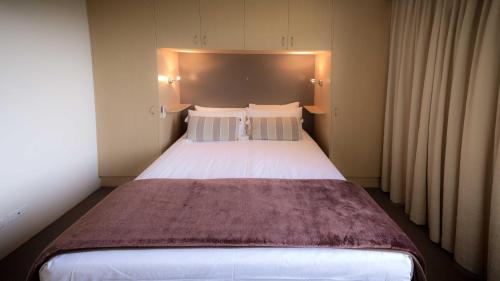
<point>310,25</point>
<point>360,53</point>
<point>178,24</point>
<point>125,84</point>
<point>266,24</point>
<point>223,24</point>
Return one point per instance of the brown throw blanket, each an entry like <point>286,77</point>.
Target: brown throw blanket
<point>235,213</point>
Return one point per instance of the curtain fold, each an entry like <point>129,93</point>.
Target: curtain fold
<point>442,124</point>
<point>494,232</point>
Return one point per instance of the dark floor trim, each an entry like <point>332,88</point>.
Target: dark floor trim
<point>15,266</point>
<point>440,263</point>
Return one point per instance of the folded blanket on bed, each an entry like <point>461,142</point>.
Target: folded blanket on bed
<point>159,213</point>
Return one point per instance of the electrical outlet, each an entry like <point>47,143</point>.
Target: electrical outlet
<point>12,216</point>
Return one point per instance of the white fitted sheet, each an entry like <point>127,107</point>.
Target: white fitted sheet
<point>229,264</point>
<point>302,159</point>
<point>243,159</point>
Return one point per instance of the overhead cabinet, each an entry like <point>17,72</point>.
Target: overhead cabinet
<point>222,24</point>
<point>178,23</point>
<point>266,24</point>
<point>212,24</point>
<point>310,25</point>
<point>245,24</point>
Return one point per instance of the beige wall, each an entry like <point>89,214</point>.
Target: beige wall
<point>359,78</point>
<point>48,154</point>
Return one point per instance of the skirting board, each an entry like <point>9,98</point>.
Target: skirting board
<point>366,182</point>
<point>114,181</point>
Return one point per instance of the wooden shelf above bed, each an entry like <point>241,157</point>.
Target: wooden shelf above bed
<point>177,107</point>
<point>314,109</point>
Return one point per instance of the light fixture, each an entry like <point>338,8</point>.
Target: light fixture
<point>317,81</point>
<point>168,79</point>
<point>172,80</point>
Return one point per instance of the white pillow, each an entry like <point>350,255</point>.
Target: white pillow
<point>240,113</point>
<point>258,112</point>
<point>292,105</point>
<point>202,108</point>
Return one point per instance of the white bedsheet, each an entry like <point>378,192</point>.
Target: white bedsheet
<point>302,159</point>
<point>262,264</point>
<point>244,159</point>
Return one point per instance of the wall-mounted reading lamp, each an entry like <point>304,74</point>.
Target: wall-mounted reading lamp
<point>317,81</point>
<point>168,79</point>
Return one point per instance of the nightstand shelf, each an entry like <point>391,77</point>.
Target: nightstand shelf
<point>177,107</point>
<point>314,109</point>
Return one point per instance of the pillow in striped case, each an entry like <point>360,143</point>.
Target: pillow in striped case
<point>201,128</point>
<point>276,128</point>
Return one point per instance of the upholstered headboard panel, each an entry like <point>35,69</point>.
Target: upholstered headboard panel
<point>235,80</point>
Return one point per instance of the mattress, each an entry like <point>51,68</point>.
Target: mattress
<point>243,159</point>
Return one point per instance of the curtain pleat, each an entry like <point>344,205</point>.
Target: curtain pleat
<point>442,124</point>
<point>462,59</point>
<point>493,267</point>
<point>421,54</point>
<point>439,108</point>
<point>476,156</point>
<point>402,84</point>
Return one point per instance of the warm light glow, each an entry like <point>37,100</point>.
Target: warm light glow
<point>300,53</point>
<point>319,82</point>
<point>190,51</point>
<point>243,52</point>
<point>168,79</point>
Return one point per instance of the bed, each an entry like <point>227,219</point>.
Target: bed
<point>242,159</point>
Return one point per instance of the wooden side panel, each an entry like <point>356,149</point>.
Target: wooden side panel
<point>126,89</point>
<point>169,96</point>
<point>322,99</point>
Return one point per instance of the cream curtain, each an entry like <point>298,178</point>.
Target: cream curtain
<point>441,155</point>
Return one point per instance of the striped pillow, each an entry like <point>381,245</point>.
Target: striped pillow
<point>276,128</point>
<point>202,128</point>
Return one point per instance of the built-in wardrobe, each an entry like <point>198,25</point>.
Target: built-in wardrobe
<point>349,39</point>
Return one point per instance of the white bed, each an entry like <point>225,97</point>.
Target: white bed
<point>243,159</point>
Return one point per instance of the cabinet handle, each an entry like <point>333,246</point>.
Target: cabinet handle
<point>204,40</point>
<point>283,41</point>
<point>291,41</point>
<point>195,39</point>
<point>152,110</point>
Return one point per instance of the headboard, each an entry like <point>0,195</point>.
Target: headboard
<point>235,80</point>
